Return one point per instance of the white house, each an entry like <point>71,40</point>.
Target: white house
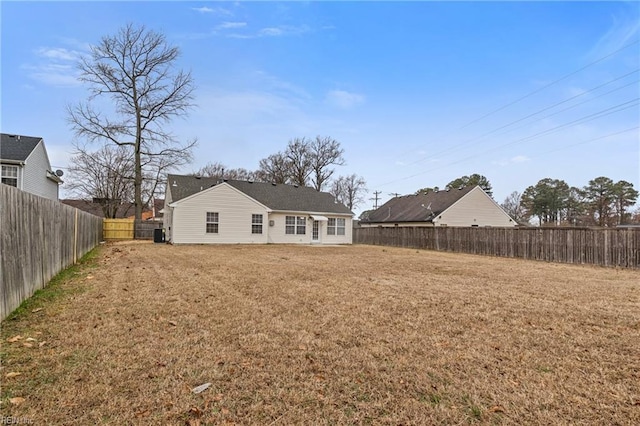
<point>468,206</point>
<point>202,210</point>
<point>25,164</point>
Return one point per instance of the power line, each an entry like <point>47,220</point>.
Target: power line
<point>603,113</point>
<point>546,86</point>
<point>460,145</point>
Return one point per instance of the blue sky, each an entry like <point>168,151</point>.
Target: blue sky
<point>418,93</point>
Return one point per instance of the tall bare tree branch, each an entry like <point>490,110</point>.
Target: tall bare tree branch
<point>135,70</point>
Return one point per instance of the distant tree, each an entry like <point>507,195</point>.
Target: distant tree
<point>214,170</point>
<point>576,209</point>
<point>324,152</point>
<point>304,162</point>
<point>634,216</point>
<point>275,168</point>
<point>105,175</point>
<point>298,157</point>
<point>365,214</point>
<point>349,190</point>
<point>547,200</point>
<point>220,171</point>
<point>624,196</point>
<point>474,179</point>
<point>513,206</point>
<point>599,194</point>
<point>426,190</point>
<point>135,70</point>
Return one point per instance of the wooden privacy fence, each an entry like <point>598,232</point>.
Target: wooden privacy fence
<point>618,247</point>
<point>118,229</point>
<point>38,238</point>
<point>144,229</point>
<point>128,229</point>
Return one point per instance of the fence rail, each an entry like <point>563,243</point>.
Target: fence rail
<point>616,247</point>
<point>38,238</point>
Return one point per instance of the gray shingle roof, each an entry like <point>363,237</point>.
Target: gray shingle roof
<point>276,197</point>
<point>17,147</point>
<point>417,208</point>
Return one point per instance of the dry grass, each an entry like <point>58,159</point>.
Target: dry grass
<point>327,335</point>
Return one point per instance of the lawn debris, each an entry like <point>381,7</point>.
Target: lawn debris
<point>201,388</point>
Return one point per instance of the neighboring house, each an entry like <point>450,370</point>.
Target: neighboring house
<point>94,206</point>
<point>25,165</point>
<point>125,210</point>
<point>212,211</point>
<point>469,206</point>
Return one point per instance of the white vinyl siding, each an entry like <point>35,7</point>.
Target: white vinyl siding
<point>235,212</point>
<point>168,214</point>
<point>238,216</point>
<point>35,174</point>
<point>475,208</point>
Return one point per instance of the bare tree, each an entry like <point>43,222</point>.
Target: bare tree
<point>135,70</point>
<point>105,175</point>
<point>275,168</point>
<point>324,152</point>
<point>513,206</point>
<point>298,157</point>
<point>349,190</point>
<point>219,170</point>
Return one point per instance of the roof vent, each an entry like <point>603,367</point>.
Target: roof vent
<point>273,183</point>
<point>198,176</point>
<point>174,183</point>
<point>460,188</point>
<point>295,185</point>
<point>436,190</point>
<point>250,181</point>
<point>448,189</point>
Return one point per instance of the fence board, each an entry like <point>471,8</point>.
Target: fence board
<point>38,239</point>
<point>612,247</point>
<point>118,229</point>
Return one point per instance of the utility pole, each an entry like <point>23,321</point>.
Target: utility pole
<point>395,194</point>
<point>376,198</point>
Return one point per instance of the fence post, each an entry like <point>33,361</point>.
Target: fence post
<point>75,238</point>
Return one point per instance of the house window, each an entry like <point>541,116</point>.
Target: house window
<point>336,226</point>
<point>10,175</point>
<point>295,225</point>
<point>212,222</point>
<point>256,224</point>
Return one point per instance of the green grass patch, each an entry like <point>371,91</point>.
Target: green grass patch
<point>56,287</point>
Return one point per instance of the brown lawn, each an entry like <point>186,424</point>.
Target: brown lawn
<point>326,335</point>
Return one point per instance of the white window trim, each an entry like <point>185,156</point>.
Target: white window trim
<point>300,224</point>
<point>215,220</point>
<point>254,223</point>
<point>10,176</point>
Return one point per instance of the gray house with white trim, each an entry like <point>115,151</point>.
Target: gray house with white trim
<point>201,210</point>
<point>25,164</point>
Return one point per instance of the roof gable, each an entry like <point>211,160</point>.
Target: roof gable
<point>422,207</point>
<point>17,147</point>
<point>279,197</point>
